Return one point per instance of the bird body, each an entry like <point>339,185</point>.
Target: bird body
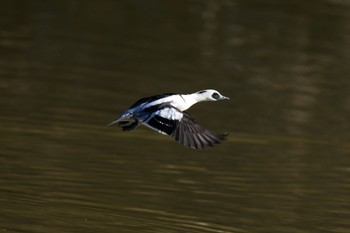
<point>165,114</point>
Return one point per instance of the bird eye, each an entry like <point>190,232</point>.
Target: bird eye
<point>215,95</point>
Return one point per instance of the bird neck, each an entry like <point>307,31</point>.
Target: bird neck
<point>185,102</point>
<point>198,98</point>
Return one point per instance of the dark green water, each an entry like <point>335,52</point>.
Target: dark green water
<point>68,68</point>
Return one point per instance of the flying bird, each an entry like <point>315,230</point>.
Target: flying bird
<point>166,114</point>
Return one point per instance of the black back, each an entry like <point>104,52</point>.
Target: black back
<point>150,99</point>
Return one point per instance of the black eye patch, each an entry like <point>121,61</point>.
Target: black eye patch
<point>200,92</point>
<point>215,95</point>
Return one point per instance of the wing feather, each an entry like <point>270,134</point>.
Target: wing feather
<point>196,136</point>
<point>182,127</point>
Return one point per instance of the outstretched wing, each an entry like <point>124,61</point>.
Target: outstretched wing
<point>164,120</point>
<point>193,135</point>
<point>182,127</point>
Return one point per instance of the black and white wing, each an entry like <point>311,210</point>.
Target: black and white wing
<point>164,119</point>
<point>193,135</point>
<point>183,128</point>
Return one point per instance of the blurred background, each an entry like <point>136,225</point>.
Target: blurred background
<point>68,68</point>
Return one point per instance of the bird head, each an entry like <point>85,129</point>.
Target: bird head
<point>209,95</point>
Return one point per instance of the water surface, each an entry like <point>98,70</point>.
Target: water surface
<point>68,68</point>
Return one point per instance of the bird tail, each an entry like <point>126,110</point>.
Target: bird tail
<point>123,117</point>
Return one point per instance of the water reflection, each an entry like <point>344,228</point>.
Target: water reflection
<point>68,68</point>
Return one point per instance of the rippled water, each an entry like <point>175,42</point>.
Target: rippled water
<point>68,68</point>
